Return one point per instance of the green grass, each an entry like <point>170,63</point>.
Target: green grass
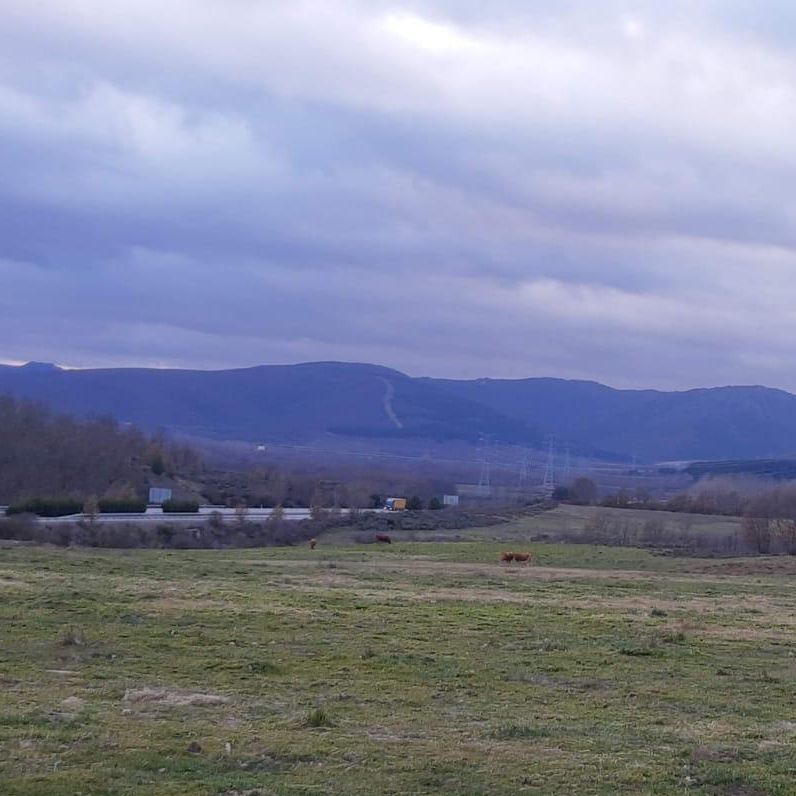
<point>572,520</point>
<point>410,669</point>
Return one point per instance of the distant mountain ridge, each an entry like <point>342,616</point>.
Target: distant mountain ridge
<point>316,400</point>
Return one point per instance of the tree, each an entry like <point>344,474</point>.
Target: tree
<point>414,503</point>
<point>435,504</point>
<point>785,533</point>
<point>318,513</point>
<point>216,520</point>
<point>157,464</point>
<point>583,491</point>
<point>91,508</point>
<point>241,512</point>
<point>757,533</point>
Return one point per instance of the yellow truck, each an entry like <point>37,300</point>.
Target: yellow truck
<point>395,504</point>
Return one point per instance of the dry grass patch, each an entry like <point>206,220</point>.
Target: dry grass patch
<point>170,698</point>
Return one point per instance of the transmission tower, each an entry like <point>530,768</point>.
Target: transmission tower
<point>549,480</point>
<point>567,476</point>
<point>523,469</point>
<point>484,478</point>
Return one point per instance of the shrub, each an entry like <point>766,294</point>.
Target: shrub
<point>318,718</point>
<point>264,667</point>
<point>47,507</point>
<point>261,501</point>
<point>509,732</point>
<point>180,506</point>
<point>129,505</point>
<point>635,651</point>
<point>73,638</point>
<point>215,521</point>
<point>21,527</point>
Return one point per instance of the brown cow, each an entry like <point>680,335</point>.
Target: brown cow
<point>382,537</point>
<point>506,558</point>
<point>313,542</point>
<point>523,558</point>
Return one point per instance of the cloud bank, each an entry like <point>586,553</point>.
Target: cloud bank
<point>578,189</point>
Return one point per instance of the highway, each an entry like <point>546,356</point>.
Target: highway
<point>157,515</point>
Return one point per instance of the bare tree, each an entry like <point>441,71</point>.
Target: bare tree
<point>757,534</point>
<point>91,508</point>
<point>241,513</point>
<point>785,533</point>
<point>583,491</point>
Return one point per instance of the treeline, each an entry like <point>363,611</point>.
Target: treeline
<point>727,497</point>
<point>720,497</point>
<point>217,532</point>
<point>769,523</point>
<point>47,455</point>
<point>768,513</point>
<point>292,488</point>
<point>620,529</point>
<point>756,535</point>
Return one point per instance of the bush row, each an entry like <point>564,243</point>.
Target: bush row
<point>66,506</point>
<point>46,507</point>
<point>215,533</point>
<point>174,506</point>
<point>121,506</point>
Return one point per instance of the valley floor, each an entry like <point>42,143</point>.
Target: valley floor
<point>416,668</point>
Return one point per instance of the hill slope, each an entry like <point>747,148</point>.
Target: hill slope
<point>717,423</point>
<point>43,454</point>
<point>281,403</point>
<point>328,400</point>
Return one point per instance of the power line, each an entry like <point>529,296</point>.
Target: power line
<point>549,479</point>
<point>523,477</point>
<point>485,477</point>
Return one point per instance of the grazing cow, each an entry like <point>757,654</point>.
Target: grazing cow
<point>382,537</point>
<point>506,558</point>
<point>313,542</point>
<point>523,558</point>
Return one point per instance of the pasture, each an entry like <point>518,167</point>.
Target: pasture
<point>411,668</point>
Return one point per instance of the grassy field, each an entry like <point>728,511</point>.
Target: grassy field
<point>573,521</point>
<point>410,669</point>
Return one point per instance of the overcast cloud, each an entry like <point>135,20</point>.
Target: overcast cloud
<point>592,189</point>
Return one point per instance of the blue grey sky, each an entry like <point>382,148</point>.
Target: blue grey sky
<point>596,189</point>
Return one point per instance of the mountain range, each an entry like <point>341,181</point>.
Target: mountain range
<point>309,402</point>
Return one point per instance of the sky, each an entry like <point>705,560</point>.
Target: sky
<point>595,189</point>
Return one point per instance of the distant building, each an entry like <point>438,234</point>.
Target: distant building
<point>159,495</point>
<point>450,500</point>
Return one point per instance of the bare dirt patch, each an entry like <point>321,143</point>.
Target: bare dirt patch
<point>13,583</point>
<point>191,604</point>
<point>74,703</point>
<point>164,696</point>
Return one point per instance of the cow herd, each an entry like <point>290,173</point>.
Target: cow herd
<point>506,557</point>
